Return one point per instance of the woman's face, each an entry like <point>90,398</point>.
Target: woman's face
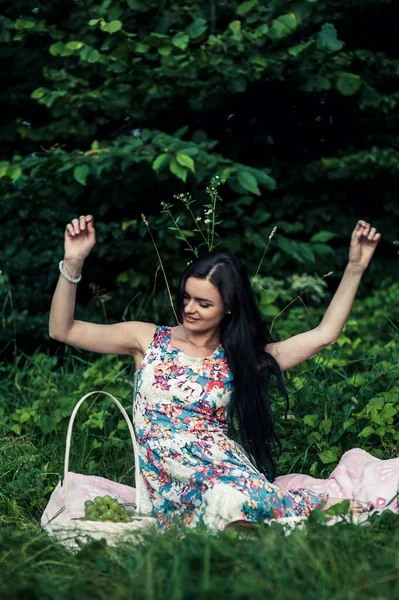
<point>203,302</point>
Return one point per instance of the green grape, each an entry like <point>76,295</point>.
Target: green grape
<point>91,509</point>
<point>107,500</point>
<point>98,500</point>
<point>89,503</point>
<point>126,519</point>
<point>92,516</point>
<point>109,514</point>
<point>114,505</point>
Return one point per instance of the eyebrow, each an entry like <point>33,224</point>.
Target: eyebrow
<point>199,299</point>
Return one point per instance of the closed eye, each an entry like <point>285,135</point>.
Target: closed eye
<point>186,297</point>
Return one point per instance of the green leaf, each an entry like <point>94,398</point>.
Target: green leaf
<point>38,93</point>
<point>141,48</point>
<point>235,28</point>
<point>283,26</point>
<point>311,420</point>
<point>74,45</point>
<point>164,50</point>
<point>329,456</point>
<point>341,508</point>
<point>112,26</point>
<point>348,84</point>
<point>90,54</point>
<point>356,380</point>
<point>322,236</point>
<point>248,182</point>
<point>154,39</point>
<point>326,426</point>
<point>315,84</point>
<point>190,151</point>
<point>181,132</point>
<point>306,252</point>
<point>93,22</point>
<point>323,249</point>
<point>160,161</point>
<point>327,38</point>
<point>181,40</point>
<point>262,30</point>
<point>59,49</point>
<point>263,178</point>
<point>186,161</point>
<point>245,7</point>
<point>348,423</point>
<point>388,412</point>
<point>226,172</point>
<point>285,245</point>
<point>197,28</point>
<point>14,172</point>
<point>176,169</point>
<point>24,24</point>
<point>80,173</point>
<point>4,164</point>
<point>297,50</point>
<point>366,432</point>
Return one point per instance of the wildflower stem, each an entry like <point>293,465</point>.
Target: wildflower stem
<point>179,230</point>
<point>196,222</point>
<point>296,298</point>
<point>264,254</point>
<point>214,198</point>
<point>162,267</point>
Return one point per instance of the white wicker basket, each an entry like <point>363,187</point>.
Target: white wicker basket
<point>61,520</point>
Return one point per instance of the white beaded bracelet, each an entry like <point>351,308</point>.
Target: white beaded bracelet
<point>65,274</point>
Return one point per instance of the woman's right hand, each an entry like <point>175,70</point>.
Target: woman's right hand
<point>80,238</point>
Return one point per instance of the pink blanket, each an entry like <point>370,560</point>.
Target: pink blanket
<point>358,476</point>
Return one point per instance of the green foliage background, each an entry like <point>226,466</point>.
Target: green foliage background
<point>110,108</point>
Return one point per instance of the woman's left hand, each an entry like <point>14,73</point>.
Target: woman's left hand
<point>363,244</point>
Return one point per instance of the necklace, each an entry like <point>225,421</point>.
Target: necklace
<point>196,345</point>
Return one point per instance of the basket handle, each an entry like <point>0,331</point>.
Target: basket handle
<point>133,437</point>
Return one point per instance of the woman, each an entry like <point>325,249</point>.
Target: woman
<point>194,378</point>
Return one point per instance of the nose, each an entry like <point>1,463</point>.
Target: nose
<point>190,307</point>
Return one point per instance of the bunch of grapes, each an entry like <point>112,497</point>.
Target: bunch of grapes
<point>105,509</point>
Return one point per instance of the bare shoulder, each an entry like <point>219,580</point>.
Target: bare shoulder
<point>144,334</point>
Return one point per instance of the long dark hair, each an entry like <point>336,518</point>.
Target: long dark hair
<point>244,337</point>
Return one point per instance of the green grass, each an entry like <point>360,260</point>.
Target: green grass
<point>324,563</point>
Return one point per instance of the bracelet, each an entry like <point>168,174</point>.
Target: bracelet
<point>65,274</point>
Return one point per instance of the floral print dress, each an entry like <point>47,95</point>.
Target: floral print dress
<point>190,470</point>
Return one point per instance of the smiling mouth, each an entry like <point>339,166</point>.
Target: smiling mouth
<point>190,318</point>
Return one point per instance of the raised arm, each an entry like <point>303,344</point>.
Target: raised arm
<point>119,338</point>
<point>296,349</point>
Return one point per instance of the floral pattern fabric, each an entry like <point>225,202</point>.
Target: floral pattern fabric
<point>190,469</point>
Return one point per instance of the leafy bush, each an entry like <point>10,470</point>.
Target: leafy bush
<point>118,107</point>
